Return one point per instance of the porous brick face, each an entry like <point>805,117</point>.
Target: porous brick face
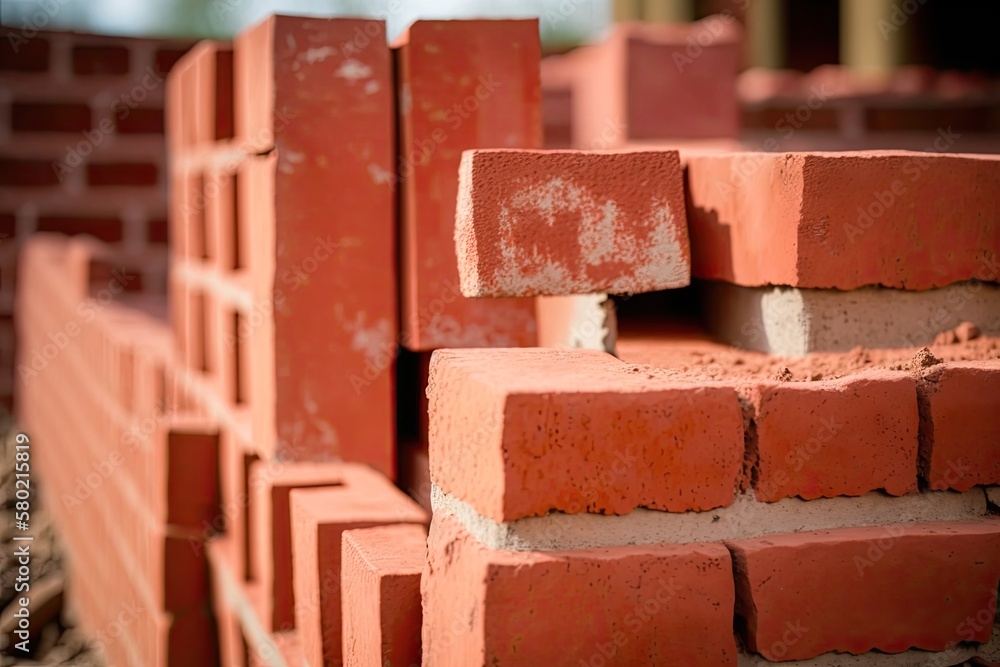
<point>517,433</point>
<point>638,605</point>
<point>319,519</point>
<point>380,574</point>
<point>320,227</point>
<point>844,220</point>
<point>836,437</point>
<point>558,223</point>
<point>489,98</point>
<point>853,590</point>
<point>960,425</point>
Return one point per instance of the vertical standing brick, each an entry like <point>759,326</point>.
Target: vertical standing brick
<point>380,575</point>
<point>462,85</point>
<point>269,523</point>
<point>319,518</point>
<point>960,425</point>
<point>321,227</point>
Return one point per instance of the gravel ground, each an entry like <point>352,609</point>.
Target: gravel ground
<point>56,640</point>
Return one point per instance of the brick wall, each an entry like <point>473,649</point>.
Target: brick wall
<point>81,151</point>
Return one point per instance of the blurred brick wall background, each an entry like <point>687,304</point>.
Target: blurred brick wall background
<point>82,152</point>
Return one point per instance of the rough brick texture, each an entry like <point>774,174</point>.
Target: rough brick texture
<point>517,433</point>
<point>648,605</point>
<point>836,437</point>
<point>380,571</point>
<point>844,220</point>
<point>856,589</point>
<point>319,519</point>
<point>960,425</point>
<point>488,98</point>
<point>562,222</point>
<point>321,223</point>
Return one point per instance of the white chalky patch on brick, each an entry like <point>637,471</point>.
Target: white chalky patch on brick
<point>353,70</point>
<point>318,55</point>
<point>656,258</point>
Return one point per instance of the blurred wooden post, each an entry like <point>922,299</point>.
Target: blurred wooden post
<point>873,34</point>
<point>668,11</point>
<point>765,25</point>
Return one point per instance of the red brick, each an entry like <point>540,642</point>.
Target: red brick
<point>106,229</point>
<point>49,117</point>
<point>90,60</point>
<point>380,575</point>
<point>564,222</point>
<point>25,55</point>
<point>122,174</point>
<point>140,121</point>
<point>844,220</point>
<point>270,532</point>
<point>200,99</point>
<point>654,81</point>
<point>319,518</point>
<point>192,472</point>
<point>27,173</point>
<point>222,234</point>
<point>497,79</point>
<point>517,433</point>
<point>836,437</point>
<point>960,425</point>
<point>319,227</point>
<point>631,605</point>
<point>232,648</point>
<point>854,590</point>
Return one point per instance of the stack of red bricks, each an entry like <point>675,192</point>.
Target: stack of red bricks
<point>81,152</point>
<point>670,499</point>
<point>666,497</point>
<point>129,474</point>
